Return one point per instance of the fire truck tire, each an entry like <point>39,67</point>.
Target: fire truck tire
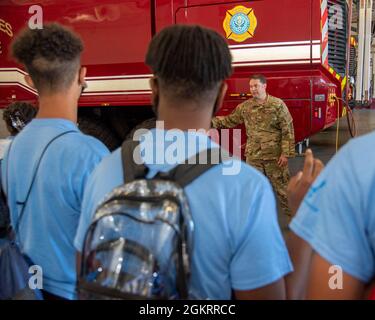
<point>146,124</point>
<point>94,127</point>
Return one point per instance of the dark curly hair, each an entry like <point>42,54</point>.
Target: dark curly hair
<point>190,60</point>
<point>17,115</point>
<point>51,56</point>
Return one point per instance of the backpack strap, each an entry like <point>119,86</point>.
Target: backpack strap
<point>23,203</point>
<point>185,173</point>
<point>132,165</point>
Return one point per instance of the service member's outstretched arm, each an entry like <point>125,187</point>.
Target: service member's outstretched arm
<point>231,120</point>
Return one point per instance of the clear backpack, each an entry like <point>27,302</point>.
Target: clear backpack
<point>140,241</point>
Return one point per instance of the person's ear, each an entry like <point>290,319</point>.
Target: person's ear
<point>81,77</point>
<point>154,85</point>
<point>265,86</point>
<point>220,97</point>
<point>29,81</point>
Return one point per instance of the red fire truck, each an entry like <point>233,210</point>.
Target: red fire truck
<point>289,41</point>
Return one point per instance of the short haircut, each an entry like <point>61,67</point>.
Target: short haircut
<point>189,60</point>
<point>17,115</point>
<point>51,56</point>
<point>259,77</point>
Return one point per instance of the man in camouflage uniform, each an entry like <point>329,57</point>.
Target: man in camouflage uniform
<point>270,135</point>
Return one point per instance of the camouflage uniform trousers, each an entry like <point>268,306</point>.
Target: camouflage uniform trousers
<point>279,178</point>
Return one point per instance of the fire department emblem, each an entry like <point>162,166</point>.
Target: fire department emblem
<point>240,23</point>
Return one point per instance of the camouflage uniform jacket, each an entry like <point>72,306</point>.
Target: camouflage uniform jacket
<point>269,128</point>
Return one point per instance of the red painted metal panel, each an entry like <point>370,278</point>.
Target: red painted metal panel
<point>115,34</point>
<point>278,21</point>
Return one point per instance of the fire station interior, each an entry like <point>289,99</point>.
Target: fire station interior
<point>109,125</point>
<point>350,63</point>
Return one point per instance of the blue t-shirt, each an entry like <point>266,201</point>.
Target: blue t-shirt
<point>238,243</point>
<point>337,216</point>
<point>51,215</point>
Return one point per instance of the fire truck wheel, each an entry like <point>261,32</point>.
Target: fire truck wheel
<point>94,127</point>
<point>146,124</point>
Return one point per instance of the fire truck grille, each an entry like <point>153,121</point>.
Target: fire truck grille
<point>337,35</point>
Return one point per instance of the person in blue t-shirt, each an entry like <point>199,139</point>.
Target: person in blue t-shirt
<point>16,116</point>
<point>51,213</point>
<point>334,229</point>
<point>238,243</point>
